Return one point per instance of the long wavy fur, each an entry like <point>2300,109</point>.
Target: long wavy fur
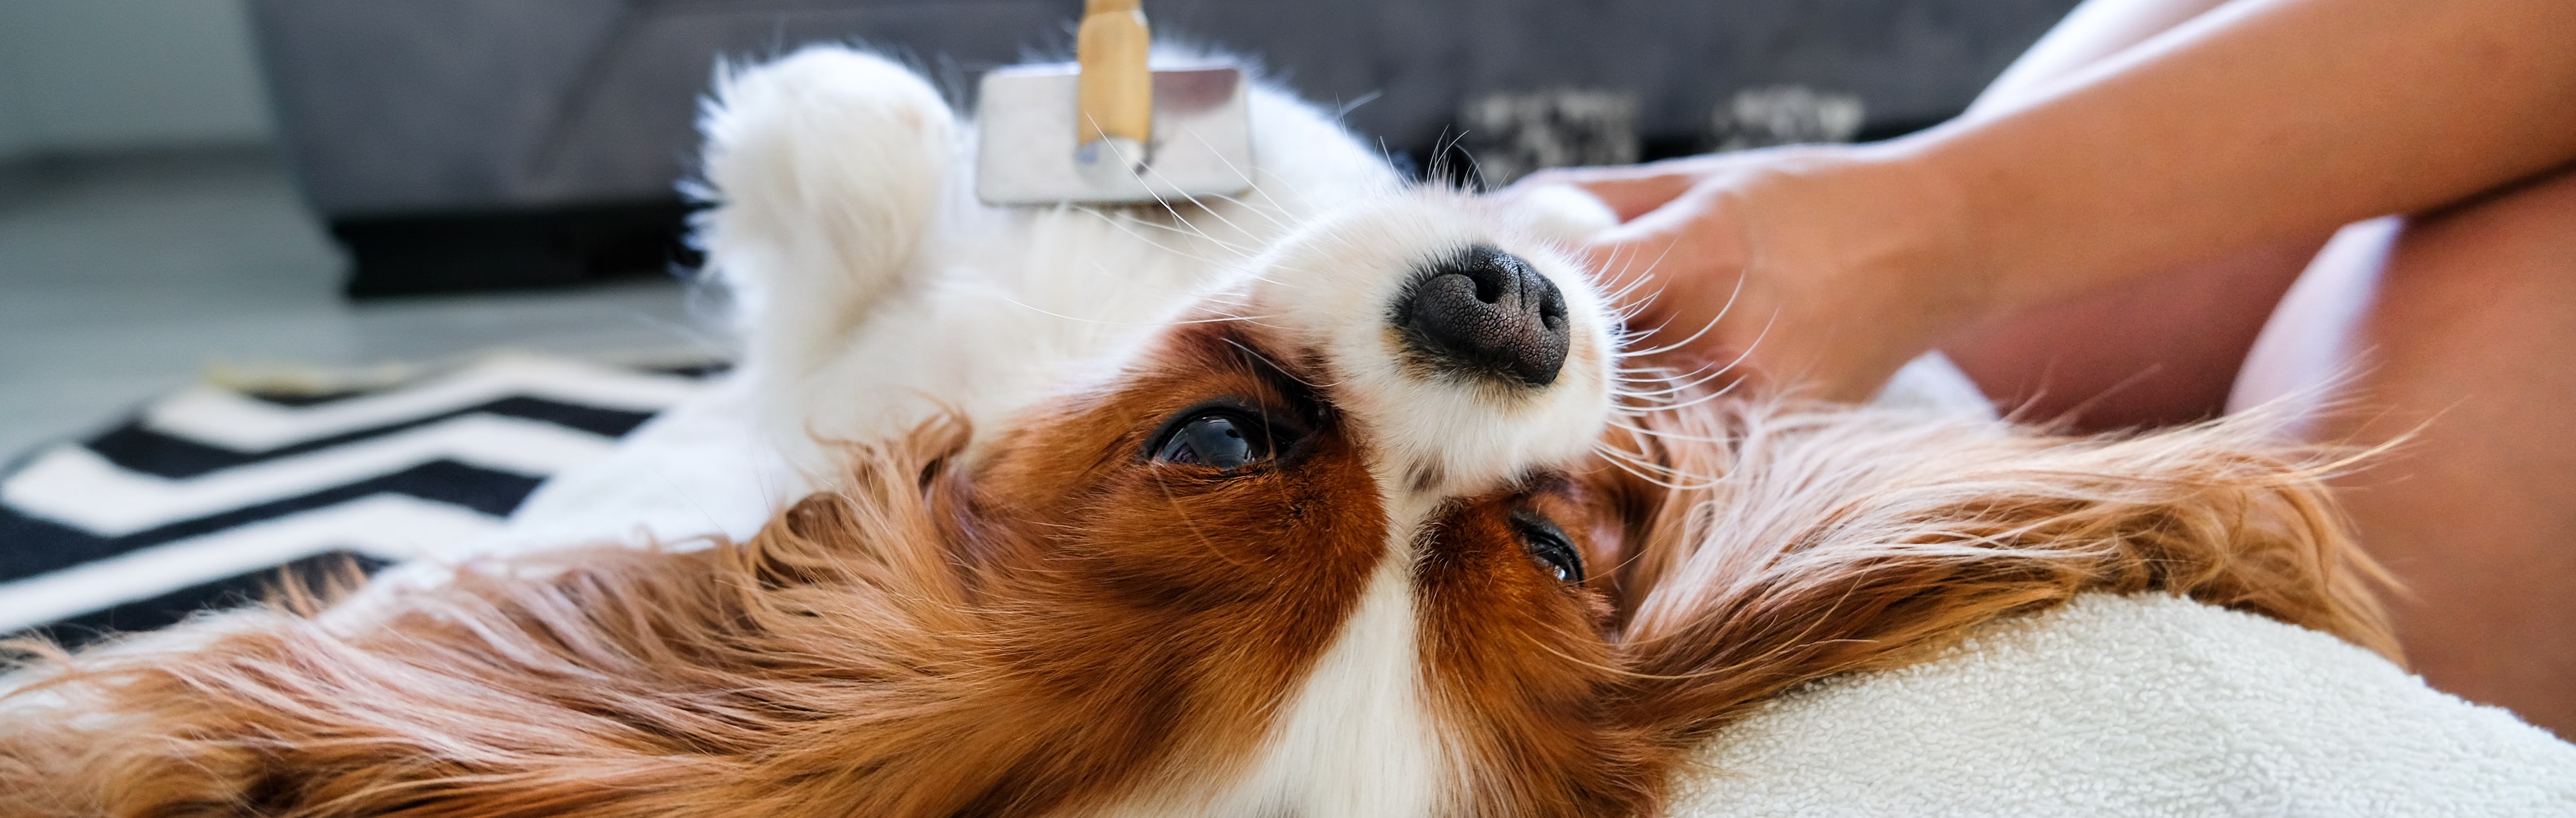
<point>843,660</point>
<point>826,661</point>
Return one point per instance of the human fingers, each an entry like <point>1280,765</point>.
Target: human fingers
<point>1629,190</point>
<point>1677,270</point>
<point>1630,197</point>
<point>1692,219</point>
<point>1683,326</point>
<point>1687,275</point>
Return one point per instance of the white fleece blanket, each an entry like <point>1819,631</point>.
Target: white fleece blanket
<point>2147,705</point>
<point>2110,706</point>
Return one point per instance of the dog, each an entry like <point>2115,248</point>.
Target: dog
<point>1337,498</point>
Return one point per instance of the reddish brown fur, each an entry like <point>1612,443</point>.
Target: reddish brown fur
<point>1521,662</point>
<point>1070,623</point>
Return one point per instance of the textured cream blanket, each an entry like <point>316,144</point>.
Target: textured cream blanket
<point>2145,705</point>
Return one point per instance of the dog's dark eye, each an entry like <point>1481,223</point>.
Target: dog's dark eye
<point>1548,546</point>
<point>1225,440</point>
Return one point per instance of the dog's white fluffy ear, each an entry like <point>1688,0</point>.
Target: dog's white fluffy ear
<point>826,169</point>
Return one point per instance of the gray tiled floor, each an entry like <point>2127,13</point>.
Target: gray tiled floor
<point>120,280</point>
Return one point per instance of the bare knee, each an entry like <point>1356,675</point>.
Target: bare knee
<point>2451,331</point>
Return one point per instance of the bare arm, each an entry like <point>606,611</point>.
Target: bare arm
<point>2261,119</point>
<point>2095,29</point>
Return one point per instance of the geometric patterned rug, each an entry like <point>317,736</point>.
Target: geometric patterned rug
<point>203,497</point>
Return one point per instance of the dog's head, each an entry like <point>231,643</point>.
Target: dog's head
<point>1331,529</point>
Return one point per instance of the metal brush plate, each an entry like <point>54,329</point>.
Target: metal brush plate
<point>1025,124</point>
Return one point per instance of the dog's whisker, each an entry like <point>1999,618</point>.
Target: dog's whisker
<point>1123,224</point>
<point>1721,372</point>
<point>1672,386</point>
<point>1674,383</point>
<point>1650,472</point>
<point>1694,337</point>
<point>1680,395</point>
<point>1720,393</point>
<point>1662,381</point>
<point>1194,202</point>
<point>1249,179</point>
<point>1666,434</point>
<point>1162,323</point>
<point>1275,367</point>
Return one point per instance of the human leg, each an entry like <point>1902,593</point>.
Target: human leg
<point>2161,351</point>
<point>2457,333</point>
<point>2157,352</point>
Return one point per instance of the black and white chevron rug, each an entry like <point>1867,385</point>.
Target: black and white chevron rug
<point>205,496</point>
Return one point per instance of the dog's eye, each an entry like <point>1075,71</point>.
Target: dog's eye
<point>1548,546</point>
<point>1225,440</point>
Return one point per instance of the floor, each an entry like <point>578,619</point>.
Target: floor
<point>123,279</point>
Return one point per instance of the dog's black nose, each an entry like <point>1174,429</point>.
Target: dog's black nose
<point>1487,310</point>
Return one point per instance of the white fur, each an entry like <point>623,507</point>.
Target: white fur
<point>875,291</point>
<point>1355,741</point>
<point>1335,282</point>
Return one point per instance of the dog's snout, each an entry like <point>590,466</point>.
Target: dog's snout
<point>1485,310</point>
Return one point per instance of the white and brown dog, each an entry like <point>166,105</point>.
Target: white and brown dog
<point>1333,499</point>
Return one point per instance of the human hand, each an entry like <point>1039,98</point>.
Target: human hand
<point>1819,269</point>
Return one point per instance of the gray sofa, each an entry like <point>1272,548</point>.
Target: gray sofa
<point>464,143</point>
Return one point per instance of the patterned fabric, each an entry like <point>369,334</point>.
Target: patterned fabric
<point>203,497</point>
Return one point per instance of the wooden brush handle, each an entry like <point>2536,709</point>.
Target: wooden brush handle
<point>1117,89</point>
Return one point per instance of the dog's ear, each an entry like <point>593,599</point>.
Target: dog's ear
<point>1794,544</point>
<point>903,515</point>
<point>1638,498</point>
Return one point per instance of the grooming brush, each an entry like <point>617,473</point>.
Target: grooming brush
<point>1111,128</point>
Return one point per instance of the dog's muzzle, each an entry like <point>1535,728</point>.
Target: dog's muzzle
<point>1486,312</point>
